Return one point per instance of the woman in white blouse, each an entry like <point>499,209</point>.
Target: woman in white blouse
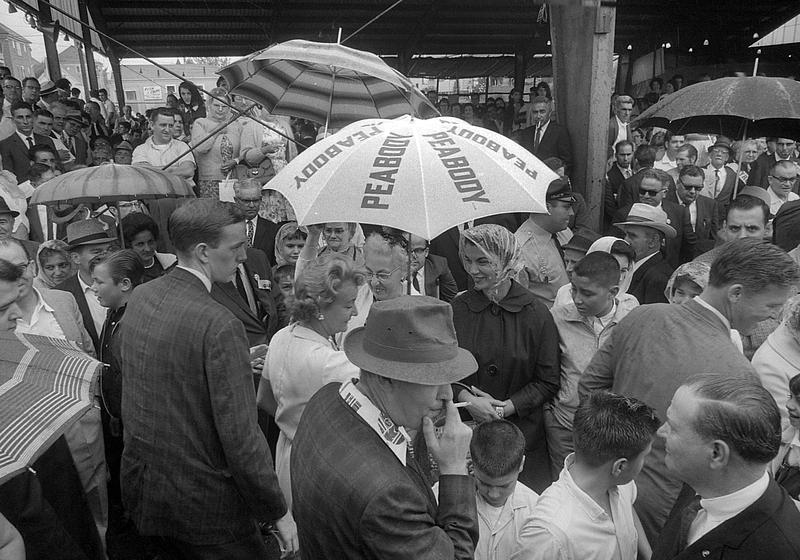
<point>304,356</point>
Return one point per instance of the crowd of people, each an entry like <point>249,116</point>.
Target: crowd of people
<point>522,386</point>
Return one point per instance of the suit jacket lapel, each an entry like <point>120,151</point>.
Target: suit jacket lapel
<point>83,306</point>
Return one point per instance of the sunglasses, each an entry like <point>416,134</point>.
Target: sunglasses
<point>645,192</point>
<point>697,188</point>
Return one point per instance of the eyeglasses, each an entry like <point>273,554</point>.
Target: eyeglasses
<point>783,180</point>
<point>249,201</point>
<point>380,276</point>
<point>693,187</point>
<point>645,192</point>
<point>419,251</point>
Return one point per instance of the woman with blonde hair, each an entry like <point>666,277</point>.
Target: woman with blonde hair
<point>304,356</point>
<point>217,156</point>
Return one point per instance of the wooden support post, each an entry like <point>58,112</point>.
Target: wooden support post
<point>91,69</point>
<point>520,65</point>
<point>583,47</point>
<point>117,72</point>
<point>50,49</point>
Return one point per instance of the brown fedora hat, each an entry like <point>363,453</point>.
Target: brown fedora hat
<point>410,338</point>
<point>89,232</point>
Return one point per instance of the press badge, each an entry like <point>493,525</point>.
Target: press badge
<point>262,284</point>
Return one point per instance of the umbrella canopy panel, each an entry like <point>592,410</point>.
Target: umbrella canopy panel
<point>316,81</point>
<point>423,176</point>
<point>111,183</point>
<point>771,107</point>
<point>45,385</point>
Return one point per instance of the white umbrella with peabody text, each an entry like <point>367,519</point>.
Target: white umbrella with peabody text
<point>422,176</point>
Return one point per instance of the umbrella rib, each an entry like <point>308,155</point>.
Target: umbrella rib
<point>424,194</point>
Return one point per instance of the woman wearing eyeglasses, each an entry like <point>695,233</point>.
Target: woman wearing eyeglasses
<point>515,341</point>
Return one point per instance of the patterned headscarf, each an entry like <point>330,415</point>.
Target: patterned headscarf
<point>697,272</point>
<point>497,243</point>
<point>286,230</point>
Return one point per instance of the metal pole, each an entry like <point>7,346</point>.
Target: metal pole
<point>165,69</point>
<point>208,136</point>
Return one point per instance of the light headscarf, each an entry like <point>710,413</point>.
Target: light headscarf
<point>604,245</point>
<point>286,230</point>
<point>697,272</point>
<point>499,245</point>
<point>55,245</point>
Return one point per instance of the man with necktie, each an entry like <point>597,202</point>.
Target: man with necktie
<point>703,211</point>
<point>621,169</point>
<point>14,150</point>
<point>720,180</point>
<point>545,138</point>
<point>721,433</point>
<point>260,232</point>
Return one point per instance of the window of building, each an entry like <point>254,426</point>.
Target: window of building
<point>172,90</point>
<point>130,95</point>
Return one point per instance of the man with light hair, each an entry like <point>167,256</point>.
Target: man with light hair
<point>619,127</point>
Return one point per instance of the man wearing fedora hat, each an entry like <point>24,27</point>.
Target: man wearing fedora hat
<point>720,180</point>
<point>358,481</point>
<point>646,229</point>
<point>87,239</point>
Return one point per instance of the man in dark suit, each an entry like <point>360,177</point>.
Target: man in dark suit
<point>721,432</point>
<point>359,489</point>
<point>645,229</point>
<point>196,470</point>
<point>15,149</point>
<point>652,191</point>
<point>545,138</point>
<point>721,180</point>
<point>74,140</point>
<point>249,297</point>
<point>643,159</point>
<point>260,232</point>
<point>87,239</point>
<point>446,244</point>
<point>703,211</point>
<point>784,150</point>
<point>621,169</point>
<point>430,274</point>
<point>97,126</point>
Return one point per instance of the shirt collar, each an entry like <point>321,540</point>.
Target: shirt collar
<point>25,138</point>
<point>725,507</point>
<point>84,285</point>
<point>638,264</point>
<point>203,278</point>
<point>41,303</point>
<point>531,228</point>
<point>592,508</point>
<point>699,299</point>
<point>395,437</point>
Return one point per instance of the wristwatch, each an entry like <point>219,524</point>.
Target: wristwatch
<point>500,411</point>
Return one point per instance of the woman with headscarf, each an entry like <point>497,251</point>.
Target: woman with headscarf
<point>687,282</point>
<point>54,264</point>
<point>217,156</point>
<point>620,250</point>
<point>514,340</point>
<point>190,103</point>
<point>271,143</point>
<point>289,243</point>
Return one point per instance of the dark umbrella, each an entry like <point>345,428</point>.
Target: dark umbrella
<point>734,107</point>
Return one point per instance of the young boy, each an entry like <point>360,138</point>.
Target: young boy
<point>505,506</point>
<point>283,276</point>
<point>588,512</point>
<point>583,325</point>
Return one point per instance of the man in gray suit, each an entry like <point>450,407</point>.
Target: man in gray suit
<point>196,471</point>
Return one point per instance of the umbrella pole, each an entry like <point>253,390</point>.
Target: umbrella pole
<point>119,226</point>
<point>741,155</point>
<point>408,268</point>
<point>330,103</point>
<point>208,136</point>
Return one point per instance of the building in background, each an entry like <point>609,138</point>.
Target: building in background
<point>147,86</point>
<point>16,53</point>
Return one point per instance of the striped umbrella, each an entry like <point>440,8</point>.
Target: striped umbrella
<point>325,82</point>
<point>111,183</point>
<point>45,385</point>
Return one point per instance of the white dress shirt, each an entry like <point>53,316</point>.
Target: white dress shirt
<point>622,132</point>
<point>568,524</point>
<point>716,511</point>
<point>711,180</point>
<point>203,278</point>
<point>98,311</point>
<point>665,164</point>
<point>43,320</point>
<point>25,139</point>
<point>775,202</point>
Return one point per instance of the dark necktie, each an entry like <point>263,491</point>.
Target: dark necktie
<point>250,232</point>
<point>688,515</point>
<point>538,138</point>
<point>558,246</point>
<point>415,282</point>
<point>716,182</point>
<point>242,291</point>
<point>30,141</point>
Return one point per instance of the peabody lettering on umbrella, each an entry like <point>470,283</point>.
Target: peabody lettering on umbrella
<point>495,147</point>
<point>332,151</point>
<point>386,165</point>
<point>457,167</point>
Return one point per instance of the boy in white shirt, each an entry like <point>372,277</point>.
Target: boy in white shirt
<point>588,512</point>
<point>505,506</point>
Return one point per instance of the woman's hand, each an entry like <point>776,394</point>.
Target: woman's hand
<point>227,165</point>
<point>482,405</point>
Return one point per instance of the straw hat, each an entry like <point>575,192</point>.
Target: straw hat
<point>644,215</point>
